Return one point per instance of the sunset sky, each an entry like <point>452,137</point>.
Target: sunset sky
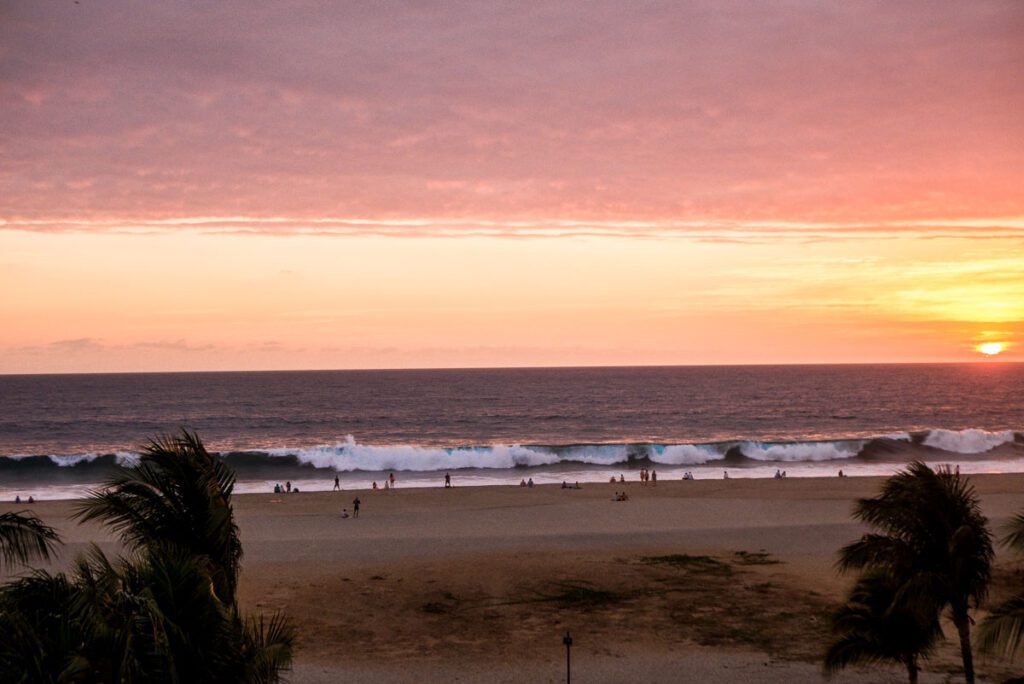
<point>236,185</point>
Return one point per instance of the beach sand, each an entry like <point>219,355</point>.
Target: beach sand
<point>711,580</point>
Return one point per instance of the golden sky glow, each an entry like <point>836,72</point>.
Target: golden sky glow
<point>482,184</point>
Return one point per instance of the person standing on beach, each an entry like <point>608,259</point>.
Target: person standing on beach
<point>391,478</point>
<point>654,478</point>
<point>337,484</point>
<point>355,507</point>
<point>447,480</point>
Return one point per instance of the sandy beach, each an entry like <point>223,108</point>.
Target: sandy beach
<point>712,580</point>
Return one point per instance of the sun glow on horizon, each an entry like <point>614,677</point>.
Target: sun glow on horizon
<point>991,348</point>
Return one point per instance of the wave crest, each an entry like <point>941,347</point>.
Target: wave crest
<point>970,441</point>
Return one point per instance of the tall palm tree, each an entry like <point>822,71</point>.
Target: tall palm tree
<point>875,626</point>
<point>178,494</point>
<point>1003,629</point>
<point>24,537</point>
<point>933,538</point>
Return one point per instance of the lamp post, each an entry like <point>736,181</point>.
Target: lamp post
<point>567,640</point>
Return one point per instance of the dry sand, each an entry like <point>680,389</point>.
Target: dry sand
<point>724,581</point>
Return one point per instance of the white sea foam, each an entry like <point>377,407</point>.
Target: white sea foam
<point>351,456</point>
<point>971,441</point>
<point>687,454</point>
<point>801,451</point>
<point>126,459</point>
<point>73,460</point>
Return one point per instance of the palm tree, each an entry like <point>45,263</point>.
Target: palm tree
<point>874,626</point>
<point>41,636</point>
<point>934,540</point>
<point>165,612</point>
<point>1003,629</point>
<point>24,537</point>
<point>179,494</point>
<point>150,617</point>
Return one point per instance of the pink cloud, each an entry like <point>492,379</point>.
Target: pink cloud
<point>866,112</point>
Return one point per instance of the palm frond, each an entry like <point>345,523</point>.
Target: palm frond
<point>1015,533</point>
<point>24,537</point>
<point>1003,630</point>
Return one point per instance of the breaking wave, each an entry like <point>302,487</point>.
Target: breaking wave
<point>353,457</point>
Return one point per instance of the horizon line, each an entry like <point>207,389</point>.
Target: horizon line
<point>553,367</point>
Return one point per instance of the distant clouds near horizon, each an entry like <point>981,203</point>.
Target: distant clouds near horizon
<point>846,177</point>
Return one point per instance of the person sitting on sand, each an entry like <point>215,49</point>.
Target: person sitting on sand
<point>277,489</point>
<point>387,485</point>
<point>344,512</point>
<point>30,499</point>
<point>295,490</point>
<point>841,473</point>
<point>522,483</point>
<point>622,480</point>
<point>565,485</point>
<point>374,485</point>
<point>725,474</point>
<point>529,483</point>
<point>611,480</point>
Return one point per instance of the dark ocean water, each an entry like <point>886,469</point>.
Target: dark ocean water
<point>73,428</point>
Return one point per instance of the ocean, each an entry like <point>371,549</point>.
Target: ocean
<point>61,435</point>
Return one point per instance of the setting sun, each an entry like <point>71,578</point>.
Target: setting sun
<point>991,348</point>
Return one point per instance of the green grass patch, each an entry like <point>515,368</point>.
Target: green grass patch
<point>577,594</point>
<point>700,564</point>
<point>436,608</point>
<point>761,557</point>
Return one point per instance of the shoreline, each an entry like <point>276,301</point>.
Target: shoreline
<point>698,484</point>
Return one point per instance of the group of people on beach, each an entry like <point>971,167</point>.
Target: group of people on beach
<point>780,474</point>
<point>17,499</point>
<point>648,476</point>
<point>389,482</point>
<point>286,489</point>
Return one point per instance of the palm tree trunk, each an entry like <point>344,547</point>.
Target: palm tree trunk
<point>912,670</point>
<point>963,628</point>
